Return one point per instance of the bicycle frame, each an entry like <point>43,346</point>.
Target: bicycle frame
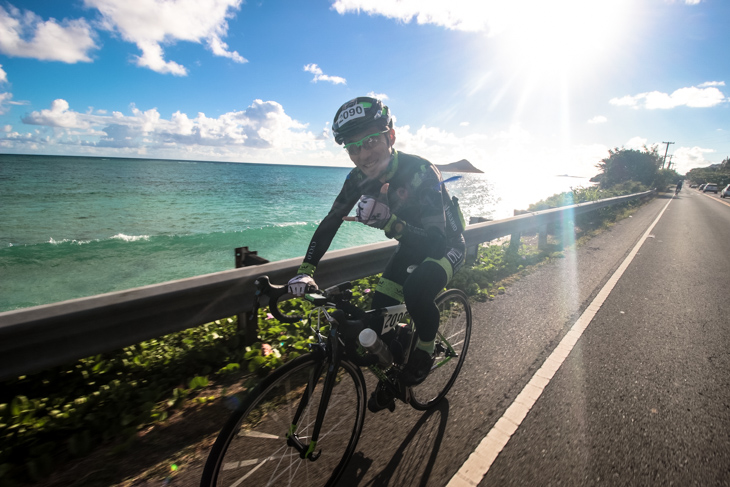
<point>333,351</point>
<point>332,348</point>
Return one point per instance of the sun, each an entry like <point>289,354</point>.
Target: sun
<point>561,36</point>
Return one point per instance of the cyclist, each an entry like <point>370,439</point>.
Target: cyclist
<point>679,187</point>
<point>402,195</point>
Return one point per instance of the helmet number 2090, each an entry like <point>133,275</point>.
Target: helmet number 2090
<point>351,113</point>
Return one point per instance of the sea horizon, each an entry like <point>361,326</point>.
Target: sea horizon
<point>75,226</point>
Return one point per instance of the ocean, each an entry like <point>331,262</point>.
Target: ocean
<point>79,226</point>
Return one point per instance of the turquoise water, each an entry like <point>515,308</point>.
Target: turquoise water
<point>78,226</point>
<point>73,227</point>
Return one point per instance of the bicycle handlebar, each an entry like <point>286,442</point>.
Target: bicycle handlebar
<point>270,295</point>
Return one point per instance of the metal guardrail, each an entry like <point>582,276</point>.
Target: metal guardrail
<point>40,337</point>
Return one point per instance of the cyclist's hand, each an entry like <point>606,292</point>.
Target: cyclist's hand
<point>373,212</point>
<point>300,284</point>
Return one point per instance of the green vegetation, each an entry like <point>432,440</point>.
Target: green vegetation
<point>641,166</point>
<point>717,173</point>
<point>66,412</point>
<point>69,411</point>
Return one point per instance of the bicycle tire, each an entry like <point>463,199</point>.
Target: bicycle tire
<point>452,343</point>
<point>252,449</point>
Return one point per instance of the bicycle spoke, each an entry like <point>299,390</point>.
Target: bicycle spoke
<point>452,341</point>
<point>259,439</point>
<point>255,434</point>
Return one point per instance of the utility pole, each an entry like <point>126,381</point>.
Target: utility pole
<point>669,166</point>
<point>665,152</point>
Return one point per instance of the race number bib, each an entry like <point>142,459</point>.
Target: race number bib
<point>350,113</point>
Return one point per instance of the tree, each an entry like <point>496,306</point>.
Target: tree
<point>715,173</point>
<point>629,165</point>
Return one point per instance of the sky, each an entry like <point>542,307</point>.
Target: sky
<point>520,88</point>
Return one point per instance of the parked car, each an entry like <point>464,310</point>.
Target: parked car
<point>710,187</point>
<point>702,186</point>
<point>693,185</point>
<point>725,192</point>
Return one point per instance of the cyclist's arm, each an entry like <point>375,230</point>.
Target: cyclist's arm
<point>327,229</point>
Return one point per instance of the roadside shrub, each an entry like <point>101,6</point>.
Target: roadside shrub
<point>67,411</point>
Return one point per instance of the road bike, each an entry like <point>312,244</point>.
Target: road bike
<point>301,424</point>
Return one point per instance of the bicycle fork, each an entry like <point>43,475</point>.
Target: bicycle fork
<point>306,450</point>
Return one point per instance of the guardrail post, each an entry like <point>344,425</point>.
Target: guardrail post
<point>249,321</point>
<point>542,237</point>
<point>472,252</point>
<point>515,240</point>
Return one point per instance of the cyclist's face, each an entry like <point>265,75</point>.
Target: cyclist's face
<point>373,161</point>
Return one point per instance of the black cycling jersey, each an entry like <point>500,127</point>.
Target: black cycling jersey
<point>415,196</point>
<point>428,226</point>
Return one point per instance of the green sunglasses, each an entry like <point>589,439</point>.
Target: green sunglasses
<point>368,142</point>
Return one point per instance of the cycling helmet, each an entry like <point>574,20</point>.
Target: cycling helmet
<point>358,114</point>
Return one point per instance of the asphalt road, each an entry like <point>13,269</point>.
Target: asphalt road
<point>642,399</point>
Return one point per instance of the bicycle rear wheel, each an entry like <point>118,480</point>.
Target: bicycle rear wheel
<point>452,343</point>
<point>252,448</point>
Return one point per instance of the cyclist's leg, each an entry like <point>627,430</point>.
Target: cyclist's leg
<point>424,284</point>
<point>389,290</point>
<point>420,291</point>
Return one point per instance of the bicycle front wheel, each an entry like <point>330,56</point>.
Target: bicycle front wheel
<point>452,343</point>
<point>252,448</point>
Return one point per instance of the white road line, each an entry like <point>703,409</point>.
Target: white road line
<point>481,459</point>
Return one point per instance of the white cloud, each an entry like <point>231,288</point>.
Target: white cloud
<point>4,97</point>
<point>636,143</point>
<point>58,115</point>
<point>151,23</point>
<point>262,125</point>
<point>464,124</point>
<point>686,158</point>
<point>496,17</point>
<point>702,96</point>
<point>4,102</point>
<point>379,96</point>
<point>25,34</point>
<point>598,119</point>
<point>711,83</point>
<point>456,15</point>
<point>320,76</point>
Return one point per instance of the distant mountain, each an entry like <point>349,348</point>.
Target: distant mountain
<point>459,166</point>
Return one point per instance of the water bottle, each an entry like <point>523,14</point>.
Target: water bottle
<point>370,340</point>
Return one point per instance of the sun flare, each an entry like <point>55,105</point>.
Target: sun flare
<point>562,36</point>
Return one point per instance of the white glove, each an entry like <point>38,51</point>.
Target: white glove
<point>299,284</point>
<point>374,212</point>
